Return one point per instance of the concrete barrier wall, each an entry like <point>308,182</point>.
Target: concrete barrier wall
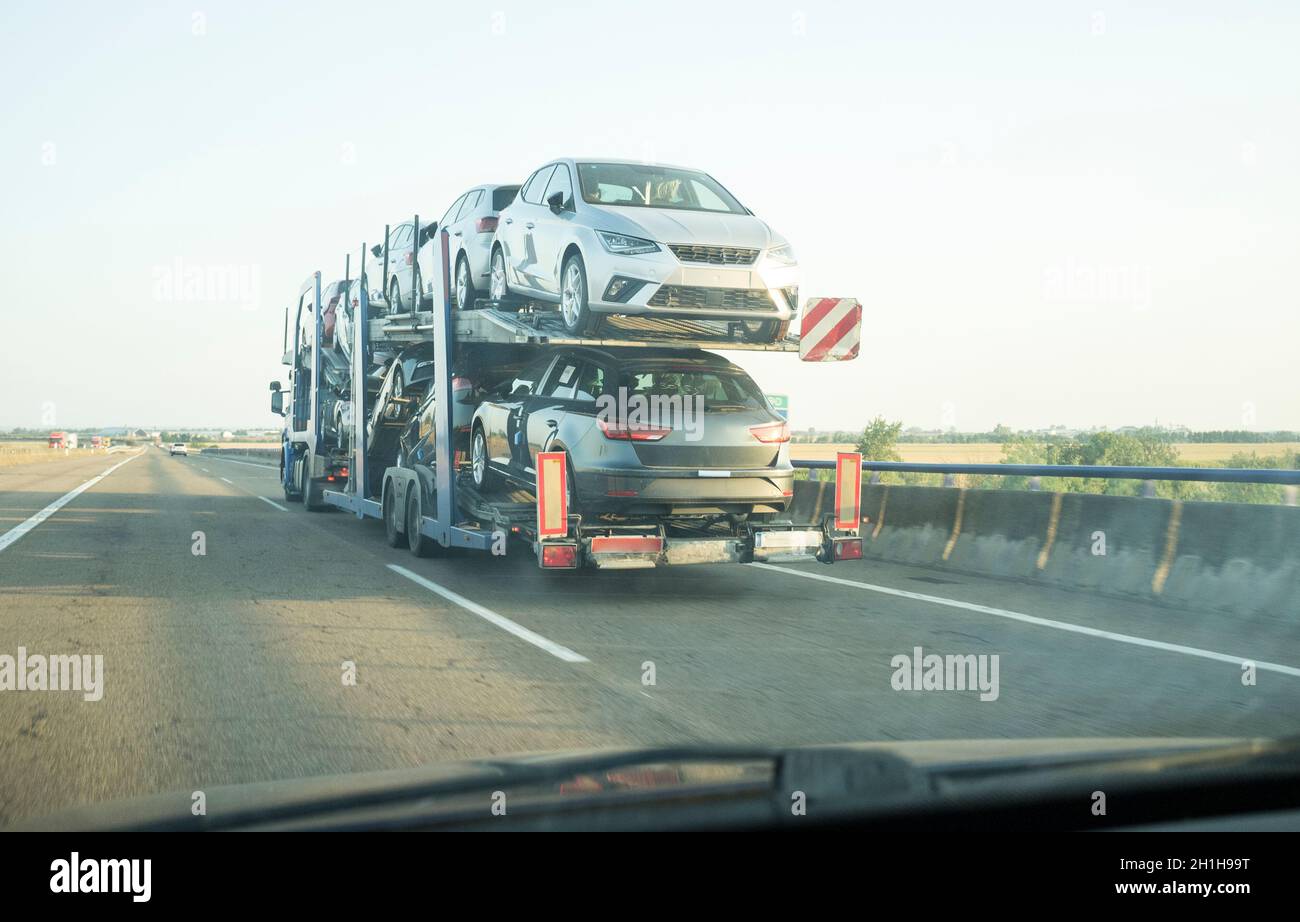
<point>1212,556</point>
<point>270,456</point>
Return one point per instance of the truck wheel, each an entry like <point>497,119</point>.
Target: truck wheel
<point>391,534</point>
<point>313,496</point>
<point>575,308</point>
<point>419,544</point>
<point>465,293</point>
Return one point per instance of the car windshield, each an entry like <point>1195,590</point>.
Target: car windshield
<point>645,186</point>
<point>719,389</point>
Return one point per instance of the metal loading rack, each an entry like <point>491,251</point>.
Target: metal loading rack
<point>439,507</point>
<point>528,326</point>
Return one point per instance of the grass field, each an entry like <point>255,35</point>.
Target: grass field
<point>991,452</point>
<point>15,453</point>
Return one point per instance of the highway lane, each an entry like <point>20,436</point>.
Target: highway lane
<point>226,667</point>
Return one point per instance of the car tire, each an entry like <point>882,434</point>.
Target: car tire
<point>764,331</point>
<point>481,473</point>
<point>392,536</point>
<point>395,298</point>
<point>575,307</point>
<point>499,288</point>
<point>418,543</point>
<point>399,384</point>
<point>465,284</point>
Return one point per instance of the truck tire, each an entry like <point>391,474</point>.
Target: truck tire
<point>313,495</point>
<point>391,534</point>
<point>291,494</point>
<point>418,543</point>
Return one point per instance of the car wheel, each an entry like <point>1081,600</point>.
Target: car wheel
<point>465,293</point>
<point>498,290</point>
<point>399,386</point>
<point>391,535</point>
<point>417,297</point>
<point>575,310</point>
<point>419,544</point>
<point>480,469</point>
<point>764,331</point>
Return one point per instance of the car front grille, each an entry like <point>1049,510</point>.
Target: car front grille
<point>713,255</point>
<point>697,298</point>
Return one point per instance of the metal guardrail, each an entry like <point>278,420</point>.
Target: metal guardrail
<point>1108,472</point>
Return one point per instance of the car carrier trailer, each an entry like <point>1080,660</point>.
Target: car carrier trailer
<point>325,467</point>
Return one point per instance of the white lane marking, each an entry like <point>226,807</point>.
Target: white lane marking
<point>224,480</point>
<point>1043,622</point>
<point>22,528</point>
<point>265,467</point>
<point>492,617</point>
<point>205,470</point>
<point>275,504</point>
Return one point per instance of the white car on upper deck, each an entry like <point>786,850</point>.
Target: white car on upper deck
<point>624,237</point>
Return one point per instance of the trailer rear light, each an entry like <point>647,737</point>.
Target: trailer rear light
<point>771,433</point>
<point>626,544</point>
<point>848,549</point>
<point>560,556</point>
<point>486,225</point>
<point>344,472</point>
<point>625,433</point>
<point>330,478</point>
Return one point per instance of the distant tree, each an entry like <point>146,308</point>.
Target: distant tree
<point>877,441</point>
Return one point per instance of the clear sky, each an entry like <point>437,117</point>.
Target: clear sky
<point>1085,213</point>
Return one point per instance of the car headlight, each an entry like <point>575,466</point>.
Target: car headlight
<point>781,255</point>
<point>623,245</point>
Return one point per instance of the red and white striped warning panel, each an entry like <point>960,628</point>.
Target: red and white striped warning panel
<point>552,499</point>
<point>831,330</point>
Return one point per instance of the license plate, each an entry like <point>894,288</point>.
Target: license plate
<point>715,473</point>
<point>717,278</point>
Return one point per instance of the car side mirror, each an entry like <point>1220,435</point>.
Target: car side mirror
<point>277,403</point>
<point>426,234</point>
<point>376,250</point>
<point>522,390</point>
<point>556,202</point>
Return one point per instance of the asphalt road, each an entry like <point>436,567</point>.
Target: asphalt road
<point>227,667</point>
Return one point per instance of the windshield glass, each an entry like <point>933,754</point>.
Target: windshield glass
<point>643,186</point>
<point>717,388</point>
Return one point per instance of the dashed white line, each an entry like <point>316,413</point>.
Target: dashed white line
<point>275,504</point>
<point>22,528</point>
<point>1041,622</point>
<point>492,617</point>
<point>224,480</point>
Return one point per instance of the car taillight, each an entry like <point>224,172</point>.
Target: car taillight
<point>408,258</point>
<point>561,556</point>
<point>770,433</point>
<point>486,225</point>
<point>625,433</point>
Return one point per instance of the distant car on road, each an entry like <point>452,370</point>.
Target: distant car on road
<point>471,222</point>
<point>622,237</point>
<point>713,448</point>
<point>179,448</point>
